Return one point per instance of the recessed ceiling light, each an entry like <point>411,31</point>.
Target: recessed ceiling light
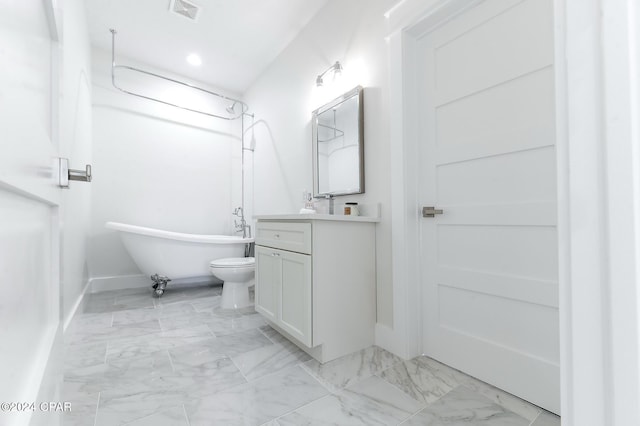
<point>194,60</point>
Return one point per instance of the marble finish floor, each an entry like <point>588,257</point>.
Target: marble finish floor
<point>131,359</point>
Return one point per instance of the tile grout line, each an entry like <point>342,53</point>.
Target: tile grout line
<point>535,418</point>
<point>265,335</point>
<point>301,407</point>
<point>173,367</point>
<point>95,419</point>
<point>239,370</point>
<point>423,403</point>
<point>186,416</point>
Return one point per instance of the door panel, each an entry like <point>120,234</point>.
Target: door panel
<point>29,203</point>
<point>490,262</point>
<point>497,43</point>
<point>512,177</point>
<point>526,103</point>
<point>268,277</point>
<point>296,295</point>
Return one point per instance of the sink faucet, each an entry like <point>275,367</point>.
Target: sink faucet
<point>242,225</point>
<point>331,199</point>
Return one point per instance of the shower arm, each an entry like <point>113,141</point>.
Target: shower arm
<point>245,107</point>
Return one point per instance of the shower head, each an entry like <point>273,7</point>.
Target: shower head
<point>231,109</point>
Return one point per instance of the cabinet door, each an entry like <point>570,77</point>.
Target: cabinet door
<point>268,278</point>
<point>295,299</point>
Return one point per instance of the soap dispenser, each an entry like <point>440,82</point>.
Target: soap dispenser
<point>308,207</point>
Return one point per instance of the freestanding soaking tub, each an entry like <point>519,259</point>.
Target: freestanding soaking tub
<point>166,255</point>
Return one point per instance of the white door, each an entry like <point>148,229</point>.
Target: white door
<point>489,262</point>
<point>29,201</point>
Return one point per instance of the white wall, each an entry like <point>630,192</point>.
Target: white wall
<point>75,144</point>
<point>285,94</point>
<point>156,165</point>
<point>598,103</point>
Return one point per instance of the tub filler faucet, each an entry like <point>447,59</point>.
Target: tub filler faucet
<point>241,226</point>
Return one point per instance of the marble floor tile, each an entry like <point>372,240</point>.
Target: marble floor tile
<point>463,406</point>
<point>175,416</point>
<point>344,371</point>
<point>454,377</point>
<point>121,332</point>
<point>546,419</point>
<point>420,379</point>
<point>143,299</point>
<point>151,343</point>
<point>225,346</point>
<point>147,314</point>
<point>84,355</point>
<point>234,324</point>
<point>195,354</point>
<point>121,409</point>
<point>188,320</point>
<point>369,402</point>
<point>95,305</point>
<point>90,322</point>
<point>122,376</point>
<point>84,405</point>
<point>75,393</point>
<point>257,402</point>
<point>181,360</point>
<point>269,359</point>
<point>80,414</point>
<point>198,381</point>
<point>208,303</point>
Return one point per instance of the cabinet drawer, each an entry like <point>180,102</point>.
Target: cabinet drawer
<point>284,235</point>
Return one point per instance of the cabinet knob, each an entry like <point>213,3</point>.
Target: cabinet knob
<point>276,236</point>
<point>275,254</point>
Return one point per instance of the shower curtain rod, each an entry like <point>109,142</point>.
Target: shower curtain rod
<point>244,106</point>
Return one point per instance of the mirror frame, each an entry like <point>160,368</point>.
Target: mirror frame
<point>357,93</point>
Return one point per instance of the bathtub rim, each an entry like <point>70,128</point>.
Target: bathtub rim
<point>177,236</point>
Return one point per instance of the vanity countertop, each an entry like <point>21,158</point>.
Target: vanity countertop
<point>317,216</point>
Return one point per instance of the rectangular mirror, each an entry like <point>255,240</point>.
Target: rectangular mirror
<point>338,146</point>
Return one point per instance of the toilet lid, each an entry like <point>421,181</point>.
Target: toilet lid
<point>233,262</point>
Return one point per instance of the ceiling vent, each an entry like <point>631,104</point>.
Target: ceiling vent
<point>185,9</point>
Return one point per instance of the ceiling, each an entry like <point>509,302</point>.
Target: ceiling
<point>236,39</point>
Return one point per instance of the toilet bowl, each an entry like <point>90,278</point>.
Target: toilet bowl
<point>237,274</point>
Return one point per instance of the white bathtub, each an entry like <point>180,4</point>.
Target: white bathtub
<point>174,254</point>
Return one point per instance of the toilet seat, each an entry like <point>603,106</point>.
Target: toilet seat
<point>233,262</point>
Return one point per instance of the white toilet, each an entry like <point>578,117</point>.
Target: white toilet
<point>237,274</point>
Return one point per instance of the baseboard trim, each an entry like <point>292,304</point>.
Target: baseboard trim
<point>43,381</point>
<point>118,282</point>
<point>76,307</point>
<point>391,340</point>
<point>121,282</point>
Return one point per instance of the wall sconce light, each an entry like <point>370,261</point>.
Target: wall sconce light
<point>337,70</point>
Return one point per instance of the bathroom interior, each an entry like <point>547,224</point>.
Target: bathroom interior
<point>292,212</point>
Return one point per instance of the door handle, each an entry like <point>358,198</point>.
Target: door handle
<point>81,175</point>
<point>430,211</point>
<point>65,174</point>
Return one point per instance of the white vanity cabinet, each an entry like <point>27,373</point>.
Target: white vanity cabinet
<point>315,282</point>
